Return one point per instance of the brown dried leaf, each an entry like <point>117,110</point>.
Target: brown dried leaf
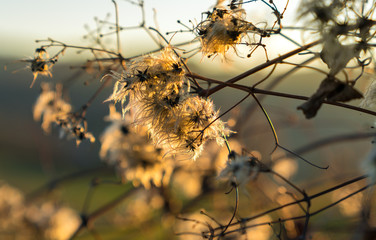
<point>343,93</point>
<point>311,107</point>
<point>330,89</point>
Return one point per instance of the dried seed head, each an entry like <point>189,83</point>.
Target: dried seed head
<point>52,220</point>
<point>223,29</point>
<point>74,127</point>
<point>177,121</point>
<point>50,106</point>
<point>151,77</point>
<point>36,219</point>
<point>132,152</point>
<point>190,125</point>
<point>239,169</point>
<point>41,64</point>
<point>53,109</point>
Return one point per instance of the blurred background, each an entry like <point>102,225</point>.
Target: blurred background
<point>29,158</point>
<point>23,22</point>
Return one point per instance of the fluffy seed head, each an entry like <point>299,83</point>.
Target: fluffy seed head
<point>193,122</point>
<point>177,121</point>
<point>223,29</point>
<point>41,64</point>
<point>147,78</point>
<point>239,169</point>
<point>50,106</point>
<point>133,154</point>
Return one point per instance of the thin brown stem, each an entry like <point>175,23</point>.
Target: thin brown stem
<point>88,220</point>
<point>91,100</point>
<point>311,197</point>
<point>51,185</point>
<point>117,27</point>
<point>301,216</point>
<point>253,106</point>
<point>261,67</point>
<point>280,94</point>
<point>235,210</point>
<point>333,139</point>
<point>287,181</point>
<point>60,44</point>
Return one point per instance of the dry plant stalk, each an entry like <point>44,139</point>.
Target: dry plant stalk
<point>177,150</point>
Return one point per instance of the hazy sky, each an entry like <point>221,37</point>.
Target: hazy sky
<point>24,21</point>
